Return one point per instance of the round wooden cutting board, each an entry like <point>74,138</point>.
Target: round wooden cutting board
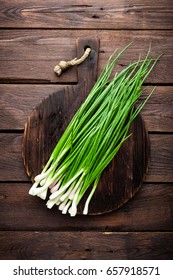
<point>44,127</point>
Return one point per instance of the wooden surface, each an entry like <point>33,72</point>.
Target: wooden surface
<point>34,36</point>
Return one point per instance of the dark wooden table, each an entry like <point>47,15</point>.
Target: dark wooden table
<point>34,37</point>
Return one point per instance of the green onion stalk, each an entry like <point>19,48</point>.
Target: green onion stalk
<point>94,136</point>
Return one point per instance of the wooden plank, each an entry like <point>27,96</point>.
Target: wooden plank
<point>161,159</point>
<point>158,113</point>
<point>33,72</point>
<point>30,55</point>
<point>86,245</point>
<point>12,167</point>
<point>14,114</point>
<point>29,59</point>
<point>150,209</point>
<point>89,14</point>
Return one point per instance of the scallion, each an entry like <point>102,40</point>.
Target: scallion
<point>94,136</point>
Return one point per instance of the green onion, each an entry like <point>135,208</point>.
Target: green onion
<point>94,136</point>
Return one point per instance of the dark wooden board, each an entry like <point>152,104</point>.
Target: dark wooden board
<point>157,113</point>
<point>86,245</point>
<point>29,56</point>
<point>123,177</point>
<point>88,14</point>
<point>149,210</point>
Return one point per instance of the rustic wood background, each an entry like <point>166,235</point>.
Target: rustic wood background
<point>34,36</point>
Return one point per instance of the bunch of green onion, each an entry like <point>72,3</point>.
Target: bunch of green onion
<point>94,136</point>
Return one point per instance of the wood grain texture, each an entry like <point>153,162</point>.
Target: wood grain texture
<point>34,37</point>
<point>161,163</point>
<point>86,245</point>
<point>30,55</point>
<point>87,14</point>
<point>18,101</point>
<point>157,113</point>
<point>12,168</point>
<point>151,209</point>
